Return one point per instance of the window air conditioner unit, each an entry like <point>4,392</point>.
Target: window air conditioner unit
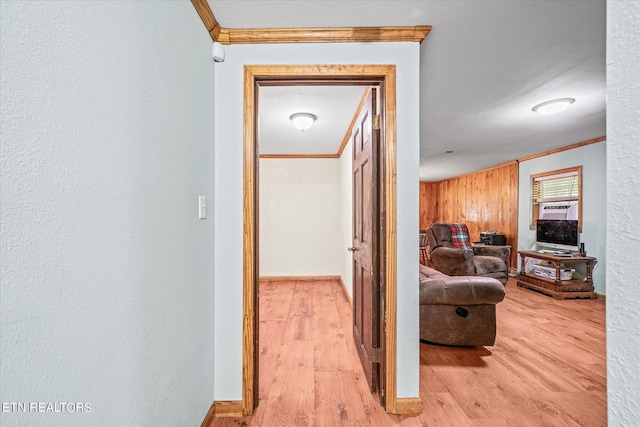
<point>559,210</point>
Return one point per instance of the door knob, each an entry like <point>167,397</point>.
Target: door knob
<point>352,249</point>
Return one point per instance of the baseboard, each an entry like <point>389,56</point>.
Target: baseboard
<point>346,291</point>
<point>408,406</point>
<point>222,408</point>
<point>228,408</point>
<point>298,278</point>
<point>211,414</point>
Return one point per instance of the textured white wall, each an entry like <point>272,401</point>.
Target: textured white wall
<point>106,142</point>
<point>623,212</point>
<point>592,158</point>
<point>300,217</point>
<point>229,181</point>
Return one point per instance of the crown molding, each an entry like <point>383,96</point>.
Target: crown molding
<point>327,35</point>
<point>208,19</point>
<point>558,150</point>
<point>305,35</point>
<point>299,156</point>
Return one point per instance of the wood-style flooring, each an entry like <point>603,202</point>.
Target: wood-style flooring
<point>547,367</point>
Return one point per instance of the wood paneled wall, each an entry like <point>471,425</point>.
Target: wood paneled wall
<point>429,203</point>
<point>484,200</point>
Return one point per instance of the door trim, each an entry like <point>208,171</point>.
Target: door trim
<point>250,162</point>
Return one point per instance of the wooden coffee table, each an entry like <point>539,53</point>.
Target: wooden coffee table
<point>557,288</point>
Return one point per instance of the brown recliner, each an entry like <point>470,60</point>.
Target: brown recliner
<point>487,261</point>
<point>458,310</point>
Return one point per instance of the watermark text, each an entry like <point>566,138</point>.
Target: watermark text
<point>57,407</point>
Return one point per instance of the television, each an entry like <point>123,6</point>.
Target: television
<point>558,234</point>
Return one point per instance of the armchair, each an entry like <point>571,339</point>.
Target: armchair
<point>452,254</point>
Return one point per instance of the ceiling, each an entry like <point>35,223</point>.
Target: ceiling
<point>334,107</point>
<point>484,65</point>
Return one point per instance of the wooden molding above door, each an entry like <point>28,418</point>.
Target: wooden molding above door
<point>324,35</point>
<point>252,74</point>
<point>221,35</point>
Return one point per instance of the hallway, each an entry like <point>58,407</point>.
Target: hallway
<point>540,372</point>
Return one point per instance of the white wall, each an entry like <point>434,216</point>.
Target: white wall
<point>623,211</point>
<point>300,217</point>
<point>229,185</point>
<point>106,142</point>
<point>592,158</point>
<point>346,220</point>
<point>305,217</point>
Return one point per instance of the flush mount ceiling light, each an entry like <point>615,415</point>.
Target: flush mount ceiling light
<point>302,121</point>
<point>554,106</point>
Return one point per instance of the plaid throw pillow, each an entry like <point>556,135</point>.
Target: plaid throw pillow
<point>460,236</point>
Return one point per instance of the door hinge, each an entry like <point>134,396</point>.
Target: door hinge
<point>376,122</point>
<point>376,355</point>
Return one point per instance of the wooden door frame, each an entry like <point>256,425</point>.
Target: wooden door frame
<point>315,73</point>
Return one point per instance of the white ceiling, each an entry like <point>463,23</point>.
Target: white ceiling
<point>334,107</point>
<point>484,65</point>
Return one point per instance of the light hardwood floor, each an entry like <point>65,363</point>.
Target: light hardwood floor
<point>547,367</point>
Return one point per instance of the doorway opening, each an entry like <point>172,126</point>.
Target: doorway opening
<point>382,76</point>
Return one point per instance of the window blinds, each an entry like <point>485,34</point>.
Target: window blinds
<point>553,188</point>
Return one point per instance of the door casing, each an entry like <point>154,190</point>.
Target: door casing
<point>304,74</point>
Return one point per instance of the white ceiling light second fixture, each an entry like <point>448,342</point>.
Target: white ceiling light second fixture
<point>302,121</point>
<point>554,106</point>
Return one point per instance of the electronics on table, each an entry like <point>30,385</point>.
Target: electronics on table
<point>557,230</point>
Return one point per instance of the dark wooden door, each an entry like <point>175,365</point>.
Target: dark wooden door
<point>366,298</point>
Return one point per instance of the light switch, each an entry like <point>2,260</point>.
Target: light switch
<point>202,207</point>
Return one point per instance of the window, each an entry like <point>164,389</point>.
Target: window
<point>549,188</point>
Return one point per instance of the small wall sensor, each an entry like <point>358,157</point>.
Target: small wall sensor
<point>217,52</point>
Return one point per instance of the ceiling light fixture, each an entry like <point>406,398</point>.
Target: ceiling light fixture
<point>554,106</point>
<point>302,121</point>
